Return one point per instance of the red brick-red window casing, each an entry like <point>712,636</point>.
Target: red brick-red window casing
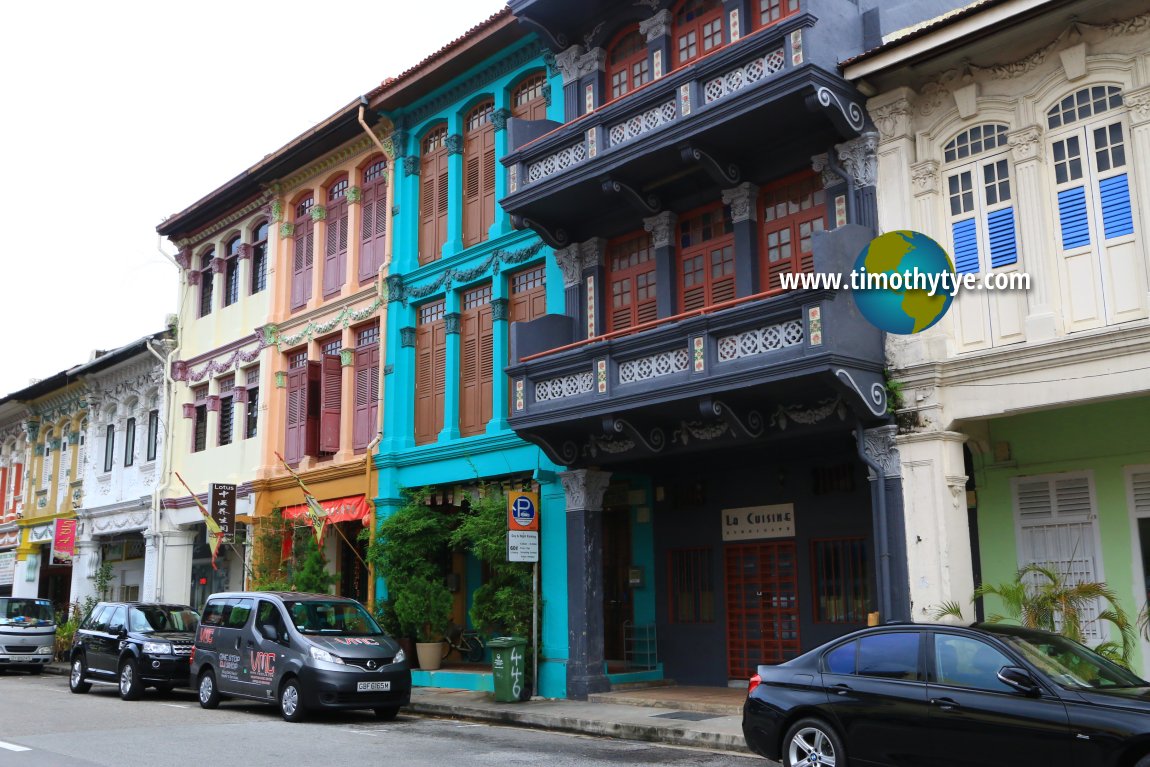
<point>706,258</point>
<point>375,211</point>
<point>764,13</point>
<point>698,29</point>
<point>366,366</point>
<point>478,173</point>
<point>528,101</point>
<point>840,575</point>
<point>691,586</point>
<point>331,394</point>
<point>335,238</point>
<point>433,195</point>
<point>631,281</point>
<point>303,253</point>
<point>627,66</point>
<point>793,209</point>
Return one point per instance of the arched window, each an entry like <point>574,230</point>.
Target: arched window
<point>206,279</point>
<point>698,29</point>
<point>303,252</point>
<point>772,11</point>
<point>232,271</point>
<point>260,257</point>
<point>529,99</point>
<point>627,66</point>
<point>631,281</point>
<point>433,195</point>
<point>478,173</point>
<point>980,199</point>
<point>793,209</point>
<point>376,211</point>
<point>46,463</point>
<point>335,241</point>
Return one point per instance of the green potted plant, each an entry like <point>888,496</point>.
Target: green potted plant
<point>425,603</point>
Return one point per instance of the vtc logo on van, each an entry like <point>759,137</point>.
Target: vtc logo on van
<point>263,663</point>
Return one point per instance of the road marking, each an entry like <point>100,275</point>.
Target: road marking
<point>175,705</point>
<point>13,747</point>
<point>363,732</point>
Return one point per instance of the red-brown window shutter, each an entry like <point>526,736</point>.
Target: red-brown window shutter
<point>528,102</point>
<point>373,227</point>
<point>330,397</point>
<point>430,358</point>
<point>366,396</point>
<point>335,248</point>
<point>476,363</point>
<point>631,282</point>
<point>697,30</point>
<point>706,258</point>
<point>627,66</point>
<point>296,393</point>
<point>433,196</point>
<point>792,210</point>
<point>528,300</point>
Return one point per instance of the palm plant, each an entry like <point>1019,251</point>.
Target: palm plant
<point>1041,598</point>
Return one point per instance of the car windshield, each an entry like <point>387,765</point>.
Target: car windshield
<point>337,617</point>
<point>149,618</point>
<point>1071,665</point>
<point>15,611</point>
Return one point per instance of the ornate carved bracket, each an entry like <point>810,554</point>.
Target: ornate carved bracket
<point>649,204</point>
<point>724,174</point>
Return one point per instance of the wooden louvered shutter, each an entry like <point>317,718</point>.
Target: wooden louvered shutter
<point>366,396</point>
<point>792,211</point>
<point>293,439</point>
<point>441,207</point>
<point>487,190</point>
<point>299,255</point>
<point>17,483</point>
<point>335,248</point>
<point>439,379</point>
<point>428,248</point>
<point>425,382</point>
<point>486,365</point>
<point>707,259</point>
<point>475,370</point>
<point>472,194</point>
<point>373,229</point>
<point>330,397</point>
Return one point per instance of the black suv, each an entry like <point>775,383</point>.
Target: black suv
<point>138,644</point>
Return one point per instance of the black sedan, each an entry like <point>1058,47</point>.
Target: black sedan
<point>949,696</point>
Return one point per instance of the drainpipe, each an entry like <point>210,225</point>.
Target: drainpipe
<point>884,590</point>
<point>368,494</point>
<point>375,139</point>
<point>162,486</point>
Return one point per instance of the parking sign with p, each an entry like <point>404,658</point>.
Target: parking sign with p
<point>522,510</point>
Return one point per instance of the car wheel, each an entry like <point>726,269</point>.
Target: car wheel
<point>387,713</point>
<point>209,694</point>
<point>812,742</point>
<point>291,703</point>
<point>1143,762</point>
<point>131,688</point>
<point>76,681</point>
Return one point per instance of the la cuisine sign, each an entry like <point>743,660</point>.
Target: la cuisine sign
<point>754,522</point>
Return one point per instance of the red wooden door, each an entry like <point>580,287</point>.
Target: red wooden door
<point>762,605</point>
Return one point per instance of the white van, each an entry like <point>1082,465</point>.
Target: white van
<point>27,633</point>
<point>301,651</point>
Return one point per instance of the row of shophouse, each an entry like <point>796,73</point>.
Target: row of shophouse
<point>549,256</point>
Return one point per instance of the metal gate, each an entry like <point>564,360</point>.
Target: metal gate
<point>762,606</point>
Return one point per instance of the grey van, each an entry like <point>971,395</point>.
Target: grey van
<point>300,651</point>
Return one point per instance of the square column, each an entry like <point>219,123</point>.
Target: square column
<point>584,489</point>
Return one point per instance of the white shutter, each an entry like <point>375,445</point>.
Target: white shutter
<point>1140,493</point>
<point>1056,531</point>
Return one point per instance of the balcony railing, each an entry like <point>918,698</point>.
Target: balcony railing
<point>688,93</point>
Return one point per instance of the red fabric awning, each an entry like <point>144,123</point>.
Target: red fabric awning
<point>337,509</point>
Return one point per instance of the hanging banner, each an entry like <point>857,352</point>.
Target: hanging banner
<point>64,542</point>
<point>351,509</point>
<point>223,504</point>
<point>7,567</point>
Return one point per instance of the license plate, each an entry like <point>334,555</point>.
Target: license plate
<point>24,658</point>
<point>373,686</point>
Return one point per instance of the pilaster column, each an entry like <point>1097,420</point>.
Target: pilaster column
<point>892,115</point>
<point>662,229</point>
<point>454,142</point>
<point>152,543</point>
<point>566,61</point>
<point>502,223</point>
<point>570,263</point>
<point>399,388</point>
<point>584,489</point>
<point>347,394</point>
<point>451,323</point>
<point>736,19</point>
<point>592,253</point>
<point>1035,232</point>
<point>743,201</point>
<point>84,566</point>
<point>499,351</point>
<point>657,30</point>
<point>859,158</point>
<point>592,75</point>
<point>937,533</point>
<point>1138,102</point>
<point>176,584</point>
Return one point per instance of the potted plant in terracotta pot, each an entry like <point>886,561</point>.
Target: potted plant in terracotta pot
<point>426,604</point>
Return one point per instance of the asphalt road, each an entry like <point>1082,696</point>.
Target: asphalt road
<point>42,724</point>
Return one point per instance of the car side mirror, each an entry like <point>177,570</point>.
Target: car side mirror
<point>1020,680</point>
<point>269,632</point>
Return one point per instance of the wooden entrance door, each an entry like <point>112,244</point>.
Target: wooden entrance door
<point>617,608</point>
<point>762,606</point>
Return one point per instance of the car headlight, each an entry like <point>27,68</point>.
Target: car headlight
<point>319,653</point>
<point>399,656</point>
<point>158,648</point>
<point>46,650</point>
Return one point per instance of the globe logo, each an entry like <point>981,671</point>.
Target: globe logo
<point>893,278</point>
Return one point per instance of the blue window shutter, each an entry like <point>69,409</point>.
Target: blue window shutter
<point>965,235</point>
<point>1117,219</point>
<point>1072,216</point>
<point>1003,244</point>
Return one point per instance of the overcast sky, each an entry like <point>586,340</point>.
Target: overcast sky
<point>121,113</point>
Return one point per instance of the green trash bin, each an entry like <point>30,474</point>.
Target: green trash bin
<point>509,668</point>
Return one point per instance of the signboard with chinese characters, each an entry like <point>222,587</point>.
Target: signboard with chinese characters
<point>64,542</point>
<point>223,508</point>
<point>753,522</point>
<point>522,546</point>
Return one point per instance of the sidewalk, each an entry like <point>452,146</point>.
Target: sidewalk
<point>697,717</point>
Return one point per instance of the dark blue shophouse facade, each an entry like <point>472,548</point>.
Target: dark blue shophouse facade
<point>717,430</point>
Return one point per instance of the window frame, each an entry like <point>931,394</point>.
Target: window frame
<point>984,225</point>
<point>153,434</point>
<point>706,249</point>
<point>129,442</point>
<point>109,447</point>
<point>231,292</point>
<point>701,27</point>
<point>375,216</point>
<point>259,264</point>
<point>632,64</point>
<point>303,251</point>
<point>207,279</point>
<point>626,278</point>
